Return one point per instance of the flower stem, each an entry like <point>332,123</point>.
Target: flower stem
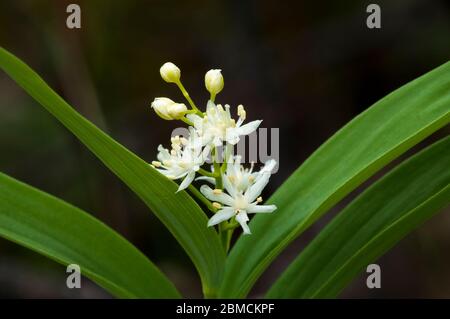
<point>226,233</point>
<point>228,149</point>
<point>206,173</point>
<point>185,120</point>
<point>225,236</point>
<point>194,191</point>
<point>217,171</point>
<point>218,175</point>
<point>188,98</point>
<point>231,225</point>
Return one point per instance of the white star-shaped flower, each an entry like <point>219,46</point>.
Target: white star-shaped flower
<point>184,159</point>
<point>217,126</point>
<point>242,198</point>
<point>241,178</point>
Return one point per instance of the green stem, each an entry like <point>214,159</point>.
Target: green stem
<point>228,149</point>
<point>185,120</point>
<point>217,171</point>
<point>228,229</point>
<point>217,175</point>
<point>225,236</point>
<point>231,225</point>
<point>206,173</point>
<point>194,191</point>
<point>188,98</point>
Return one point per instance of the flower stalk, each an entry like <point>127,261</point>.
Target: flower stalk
<point>194,191</point>
<point>237,190</point>
<point>188,98</point>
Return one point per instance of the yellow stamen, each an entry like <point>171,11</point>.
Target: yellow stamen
<point>241,112</point>
<point>167,163</point>
<point>156,164</point>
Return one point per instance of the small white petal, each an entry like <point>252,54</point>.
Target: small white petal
<point>255,190</point>
<point>217,141</point>
<point>222,197</point>
<point>222,215</point>
<point>249,127</point>
<point>207,138</point>
<point>163,154</point>
<point>242,219</point>
<point>269,166</point>
<point>167,173</point>
<point>229,186</point>
<point>187,181</point>
<point>261,209</point>
<point>195,119</point>
<point>210,108</point>
<point>205,152</point>
<point>232,135</point>
<point>208,179</point>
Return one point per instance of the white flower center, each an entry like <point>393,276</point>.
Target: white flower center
<point>240,203</point>
<point>219,130</point>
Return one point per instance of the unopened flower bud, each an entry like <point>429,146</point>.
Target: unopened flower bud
<point>168,109</point>
<point>214,81</point>
<point>177,110</point>
<point>170,72</point>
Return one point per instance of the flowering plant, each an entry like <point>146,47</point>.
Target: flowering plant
<point>236,190</point>
<point>374,221</point>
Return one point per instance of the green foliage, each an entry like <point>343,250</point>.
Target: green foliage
<point>178,211</point>
<point>68,235</point>
<point>370,225</point>
<point>363,231</point>
<point>362,147</point>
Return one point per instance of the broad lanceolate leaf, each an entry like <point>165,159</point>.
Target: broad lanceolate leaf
<point>178,211</point>
<point>369,226</point>
<point>363,146</point>
<point>68,235</point>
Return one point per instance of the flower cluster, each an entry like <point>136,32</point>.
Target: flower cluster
<point>235,191</point>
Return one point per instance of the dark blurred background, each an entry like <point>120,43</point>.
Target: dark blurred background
<point>307,67</point>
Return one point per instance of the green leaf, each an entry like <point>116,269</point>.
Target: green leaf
<point>178,211</point>
<point>64,233</point>
<point>362,147</point>
<point>369,226</point>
